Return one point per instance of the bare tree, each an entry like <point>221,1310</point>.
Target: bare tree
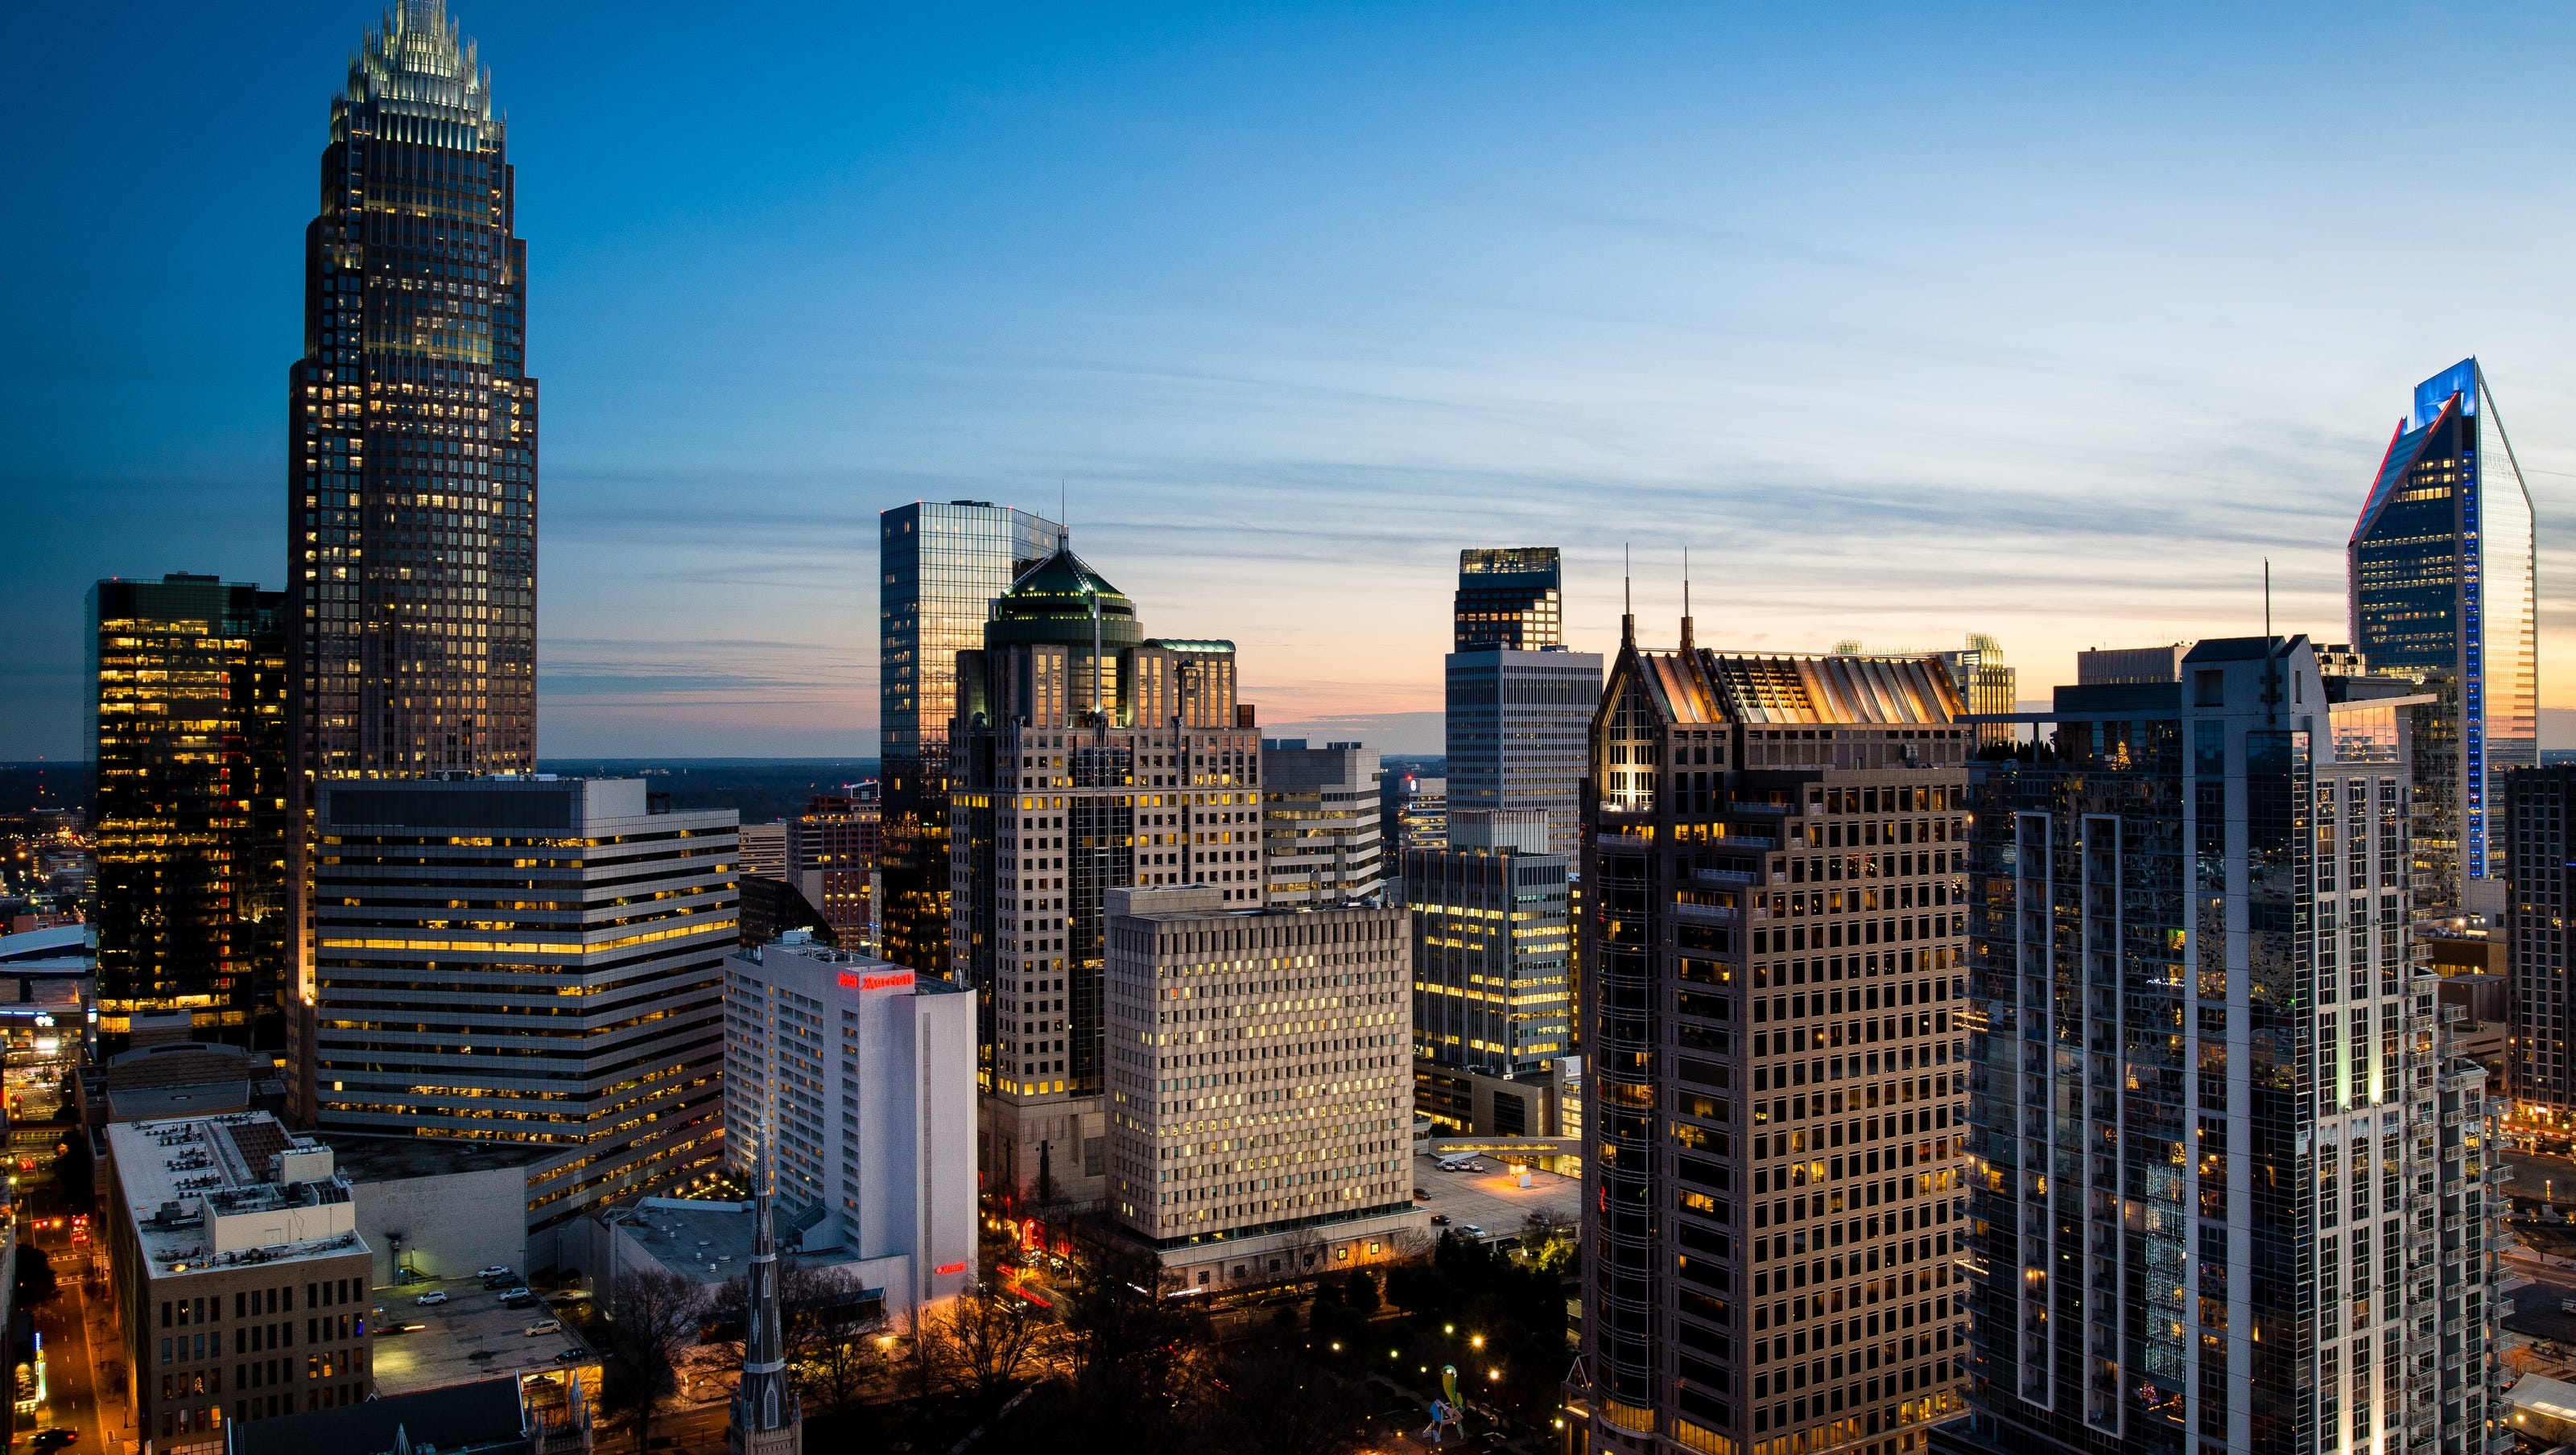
<point>652,1320</point>
<point>1266,1402</point>
<point>989,1332</point>
<point>927,1368</point>
<point>1138,1358</point>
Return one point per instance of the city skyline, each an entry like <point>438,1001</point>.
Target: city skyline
<point>1441,310</point>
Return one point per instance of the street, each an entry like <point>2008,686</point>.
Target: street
<point>79,1345</point>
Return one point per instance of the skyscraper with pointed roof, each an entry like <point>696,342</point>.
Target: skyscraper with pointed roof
<point>2443,588</point>
<point>1085,756</point>
<point>412,442</point>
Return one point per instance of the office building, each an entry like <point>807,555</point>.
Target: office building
<point>939,566</point>
<point>2230,1184</point>
<point>412,448</point>
<point>764,850</point>
<point>1319,822</point>
<point>2443,590</point>
<point>2540,832</point>
<point>1509,597</point>
<point>1087,757</point>
<point>1260,1112</point>
<point>1421,817</point>
<point>239,1273</point>
<point>832,852</point>
<point>850,1088</point>
<point>1985,684</point>
<point>1519,704</point>
<point>1493,987</point>
<point>1773,1052</point>
<point>188,735</point>
<point>456,917</point>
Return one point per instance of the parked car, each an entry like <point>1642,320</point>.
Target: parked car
<point>524,1300</point>
<point>1439,1220</point>
<point>544,1326</point>
<point>430,1298</point>
<point>566,1356</point>
<point>497,1270</point>
<point>1471,1230</point>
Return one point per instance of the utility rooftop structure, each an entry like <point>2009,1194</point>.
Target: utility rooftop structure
<point>228,1190</point>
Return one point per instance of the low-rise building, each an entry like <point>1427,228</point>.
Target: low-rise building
<point>1260,1103</point>
<point>240,1276</point>
<point>854,1079</point>
<point>506,1416</point>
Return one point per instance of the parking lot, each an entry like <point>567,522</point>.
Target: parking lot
<point>471,1336</point>
<point>1493,1199</point>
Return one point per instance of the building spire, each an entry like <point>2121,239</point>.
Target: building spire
<point>767,1417</point>
<point>1627,601</point>
<point>1688,646</point>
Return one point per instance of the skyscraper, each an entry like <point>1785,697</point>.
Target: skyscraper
<point>2444,590</point>
<point>1085,758</point>
<point>832,852</point>
<point>188,733</point>
<point>1319,811</point>
<point>411,442</point>
<point>1772,992</point>
<point>2230,1184</point>
<point>2540,817</point>
<point>1985,684</point>
<point>1519,704</point>
<point>939,566</point>
<point>1493,986</point>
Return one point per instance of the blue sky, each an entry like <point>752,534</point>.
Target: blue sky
<point>2050,322</point>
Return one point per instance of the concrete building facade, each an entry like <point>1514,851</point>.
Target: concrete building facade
<point>1320,840</point>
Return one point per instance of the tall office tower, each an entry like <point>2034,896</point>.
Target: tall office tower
<point>2229,1181</point>
<point>1085,758</point>
<point>1493,987</point>
<point>525,960</point>
<point>1511,597</point>
<point>187,731</point>
<point>1985,684</point>
<point>1772,987</point>
<point>1319,822</point>
<point>2444,590</point>
<point>2540,821</point>
<point>1421,817</point>
<point>411,445</point>
<point>1260,1122</point>
<point>853,1080</point>
<point>832,851</point>
<point>938,569</point>
<point>1519,704</point>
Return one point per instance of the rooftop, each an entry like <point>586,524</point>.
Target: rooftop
<point>470,1337</point>
<point>54,943</point>
<point>483,1415</point>
<point>710,1241</point>
<point>218,1191</point>
<point>391,1159</point>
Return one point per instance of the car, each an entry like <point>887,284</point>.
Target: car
<point>513,1290</point>
<point>1471,1230</point>
<point>427,1299</point>
<point>55,1439</point>
<point>524,1302</point>
<point>1439,1220</point>
<point>543,1326</point>
<point>566,1356</point>
<point>497,1270</point>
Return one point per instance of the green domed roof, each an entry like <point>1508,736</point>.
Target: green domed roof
<point>1054,601</point>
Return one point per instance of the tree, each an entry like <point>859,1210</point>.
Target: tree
<point>927,1369</point>
<point>1266,1402</point>
<point>1359,1292</point>
<point>988,1331</point>
<point>1138,1360</point>
<point>652,1319</point>
<point>35,1277</point>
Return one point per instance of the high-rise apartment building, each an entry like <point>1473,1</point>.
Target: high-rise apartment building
<point>2443,590</point>
<point>1519,704</point>
<point>939,566</point>
<point>1319,822</point>
<point>1774,965</point>
<point>2539,826</point>
<point>1510,596</point>
<point>525,960</point>
<point>1493,979</point>
<point>187,731</point>
<point>1260,1115</point>
<point>411,445</point>
<point>832,853</point>
<point>2230,1183</point>
<point>1085,758</point>
<point>851,1080</point>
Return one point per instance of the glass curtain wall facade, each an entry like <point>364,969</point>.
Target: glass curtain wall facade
<point>1509,596</point>
<point>939,567</point>
<point>1773,940</point>
<point>412,440</point>
<point>2229,1180</point>
<point>1493,953</point>
<point>2443,589</point>
<point>188,734</point>
<point>2540,817</point>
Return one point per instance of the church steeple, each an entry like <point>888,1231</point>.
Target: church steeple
<point>767,1418</point>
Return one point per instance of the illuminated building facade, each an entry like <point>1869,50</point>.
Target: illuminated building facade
<point>939,566</point>
<point>1518,704</point>
<point>1509,596</point>
<point>832,851</point>
<point>412,444</point>
<point>1086,758</point>
<point>188,733</point>
<point>1493,988</point>
<point>1319,812</point>
<point>2443,589</point>
<point>2231,1180</point>
<point>526,960</point>
<point>1774,952</point>
<point>1986,685</point>
<point>2540,825</point>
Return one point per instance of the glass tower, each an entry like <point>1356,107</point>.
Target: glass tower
<point>2443,589</point>
<point>939,566</point>
<point>1508,596</point>
<point>188,732</point>
<point>411,439</point>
